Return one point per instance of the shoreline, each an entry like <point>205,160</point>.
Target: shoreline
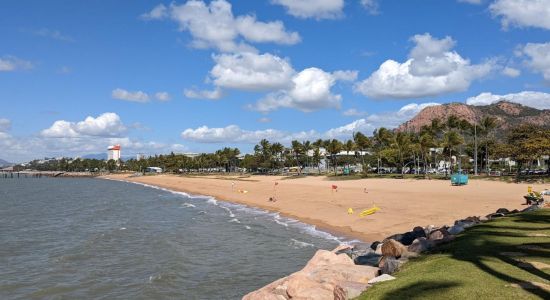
<point>340,235</point>
<point>404,203</point>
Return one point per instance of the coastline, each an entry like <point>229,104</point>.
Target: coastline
<point>404,203</point>
<point>340,235</point>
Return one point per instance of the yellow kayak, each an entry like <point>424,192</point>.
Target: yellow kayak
<point>369,211</point>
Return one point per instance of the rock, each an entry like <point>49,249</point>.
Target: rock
<point>369,259</point>
<point>429,229</point>
<point>502,211</point>
<point>395,237</point>
<point>381,278</point>
<point>438,234</point>
<point>378,250</point>
<point>456,229</point>
<point>483,219</point>
<point>419,232</point>
<point>389,265</point>
<point>374,245</point>
<point>350,289</point>
<point>515,211</point>
<point>302,287</point>
<point>361,250</point>
<point>494,216</point>
<point>407,238</point>
<point>392,248</point>
<point>339,293</point>
<point>420,245</point>
<point>342,249</point>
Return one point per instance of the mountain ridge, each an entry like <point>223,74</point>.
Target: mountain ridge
<point>508,114</point>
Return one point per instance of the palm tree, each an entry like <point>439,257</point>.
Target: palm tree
<point>451,140</point>
<point>334,147</point>
<point>362,143</point>
<point>488,125</point>
<point>277,149</point>
<point>401,142</point>
<point>382,137</point>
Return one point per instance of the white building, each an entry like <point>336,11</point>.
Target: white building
<point>113,152</point>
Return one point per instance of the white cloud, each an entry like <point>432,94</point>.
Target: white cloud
<point>162,96</point>
<point>125,95</point>
<point>252,72</point>
<point>538,58</point>
<point>311,90</point>
<point>318,9</point>
<point>214,26</point>
<point>11,63</point>
<point>307,90</point>
<point>234,134</point>
<point>204,94</point>
<point>522,13</point>
<point>538,100</point>
<point>5,125</point>
<point>105,125</point>
<point>352,112</point>
<point>264,120</point>
<point>371,6</point>
<point>432,69</point>
<point>511,72</point>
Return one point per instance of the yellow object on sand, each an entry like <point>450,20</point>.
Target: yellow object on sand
<point>243,191</point>
<point>529,189</point>
<point>350,211</point>
<point>369,211</point>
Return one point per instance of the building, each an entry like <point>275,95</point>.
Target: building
<point>113,152</point>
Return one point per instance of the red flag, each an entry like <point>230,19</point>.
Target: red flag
<point>334,187</point>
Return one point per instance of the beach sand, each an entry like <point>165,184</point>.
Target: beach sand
<point>404,203</point>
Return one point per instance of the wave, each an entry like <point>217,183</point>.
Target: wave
<point>188,205</point>
<point>283,221</point>
<point>300,244</point>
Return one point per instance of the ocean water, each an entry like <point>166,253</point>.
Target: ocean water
<point>101,239</point>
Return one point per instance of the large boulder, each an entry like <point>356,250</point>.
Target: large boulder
<point>502,211</point>
<point>392,248</point>
<point>495,215</point>
<point>420,245</point>
<point>407,238</point>
<point>389,265</point>
<point>381,278</point>
<point>419,232</point>
<point>326,276</point>
<point>374,245</point>
<point>368,259</point>
<point>456,229</point>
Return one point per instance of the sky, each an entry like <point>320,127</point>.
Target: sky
<point>195,76</point>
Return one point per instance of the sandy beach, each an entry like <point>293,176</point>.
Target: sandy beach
<point>403,203</point>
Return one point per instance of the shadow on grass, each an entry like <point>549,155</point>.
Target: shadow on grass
<point>504,241</point>
<point>421,290</point>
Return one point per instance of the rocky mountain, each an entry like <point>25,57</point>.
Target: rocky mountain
<point>507,113</point>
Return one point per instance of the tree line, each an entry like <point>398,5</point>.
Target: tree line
<point>454,141</point>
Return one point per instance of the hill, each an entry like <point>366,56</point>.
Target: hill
<point>4,163</point>
<point>507,113</point>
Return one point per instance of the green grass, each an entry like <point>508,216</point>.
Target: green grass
<point>473,266</point>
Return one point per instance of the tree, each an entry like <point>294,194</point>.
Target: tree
<point>333,148</point>
<point>528,142</point>
<point>363,143</point>
<point>488,125</point>
<point>451,140</point>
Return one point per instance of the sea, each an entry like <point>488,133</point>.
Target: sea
<point>73,238</point>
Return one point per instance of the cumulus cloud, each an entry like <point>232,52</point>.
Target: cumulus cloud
<point>522,13</point>
<point>252,72</point>
<point>203,94</point>
<point>122,94</point>
<point>307,90</point>
<point>511,72</point>
<point>432,69</point>
<point>162,96</point>
<point>214,26</point>
<point>311,90</point>
<point>538,100</point>
<point>105,125</point>
<point>5,125</point>
<point>235,134</point>
<point>10,63</point>
<point>538,58</point>
<point>318,9</point>
<point>264,120</point>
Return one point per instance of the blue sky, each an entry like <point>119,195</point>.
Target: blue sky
<point>78,76</point>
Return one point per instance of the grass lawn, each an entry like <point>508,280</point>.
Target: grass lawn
<point>507,258</point>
